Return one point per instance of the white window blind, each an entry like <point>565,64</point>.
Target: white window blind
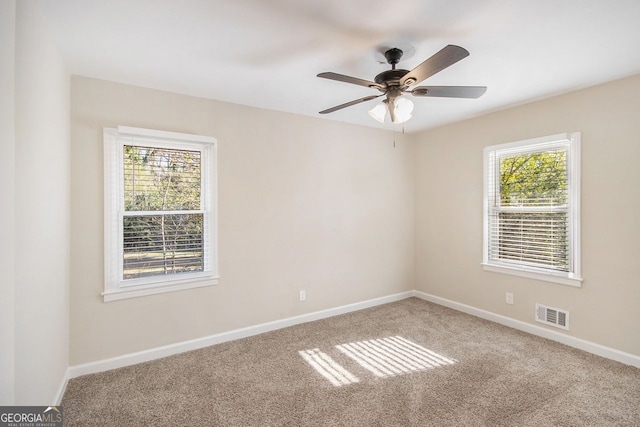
<point>160,216</point>
<point>531,207</point>
<point>163,221</point>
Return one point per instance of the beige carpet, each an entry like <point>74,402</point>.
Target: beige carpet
<point>409,363</point>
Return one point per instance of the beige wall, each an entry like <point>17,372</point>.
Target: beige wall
<point>449,212</point>
<point>41,202</point>
<point>303,203</point>
<point>7,198</point>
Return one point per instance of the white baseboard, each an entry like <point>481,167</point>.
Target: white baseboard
<point>181,347</point>
<point>588,346</point>
<point>62,388</point>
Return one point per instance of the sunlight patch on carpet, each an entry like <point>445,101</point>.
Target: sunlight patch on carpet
<point>328,368</point>
<point>391,356</point>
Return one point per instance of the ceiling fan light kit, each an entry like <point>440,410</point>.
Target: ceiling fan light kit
<point>400,112</point>
<point>394,83</point>
<point>379,112</point>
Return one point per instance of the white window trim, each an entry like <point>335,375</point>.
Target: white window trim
<point>114,140</point>
<point>573,278</point>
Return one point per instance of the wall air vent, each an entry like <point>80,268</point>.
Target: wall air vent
<point>552,316</point>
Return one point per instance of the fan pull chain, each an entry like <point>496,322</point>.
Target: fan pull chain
<point>395,131</point>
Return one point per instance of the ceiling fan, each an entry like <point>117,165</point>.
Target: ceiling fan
<point>394,83</point>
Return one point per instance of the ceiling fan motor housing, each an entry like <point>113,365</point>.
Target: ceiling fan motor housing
<point>390,77</point>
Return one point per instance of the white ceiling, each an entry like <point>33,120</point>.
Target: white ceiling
<point>266,53</point>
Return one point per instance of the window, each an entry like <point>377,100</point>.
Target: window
<point>160,212</point>
<point>531,208</point>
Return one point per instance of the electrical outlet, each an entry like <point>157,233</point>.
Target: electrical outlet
<point>303,295</point>
<point>509,297</point>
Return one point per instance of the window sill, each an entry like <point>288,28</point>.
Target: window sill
<point>547,277</point>
<point>121,294</point>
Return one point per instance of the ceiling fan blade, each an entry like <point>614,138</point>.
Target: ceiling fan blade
<point>349,104</point>
<point>352,80</point>
<point>449,91</point>
<point>446,57</point>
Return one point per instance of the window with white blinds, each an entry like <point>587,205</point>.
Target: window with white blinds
<point>160,216</point>
<point>531,218</point>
